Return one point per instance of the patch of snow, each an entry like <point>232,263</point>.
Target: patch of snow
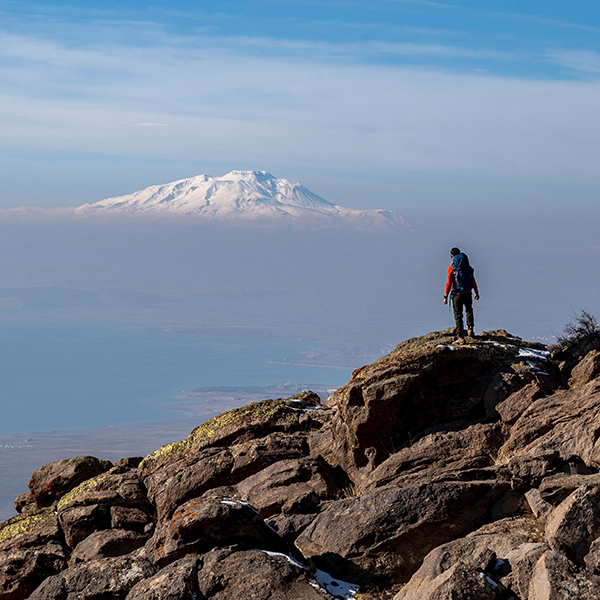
<point>341,590</point>
<point>489,580</point>
<point>289,558</point>
<point>531,353</point>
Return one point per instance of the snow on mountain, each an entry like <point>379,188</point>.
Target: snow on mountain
<point>242,196</point>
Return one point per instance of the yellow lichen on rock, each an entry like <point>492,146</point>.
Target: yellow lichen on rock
<point>85,486</point>
<point>21,525</point>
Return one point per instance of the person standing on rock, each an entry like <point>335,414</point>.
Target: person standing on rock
<point>459,285</point>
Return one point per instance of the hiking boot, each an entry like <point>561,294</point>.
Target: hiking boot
<point>459,340</point>
<point>471,333</point>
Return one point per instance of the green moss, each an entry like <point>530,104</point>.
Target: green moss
<point>89,485</point>
<point>22,525</point>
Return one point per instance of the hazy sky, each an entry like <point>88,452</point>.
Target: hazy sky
<point>412,105</point>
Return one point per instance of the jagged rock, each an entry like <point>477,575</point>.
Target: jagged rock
<point>548,425</point>
<point>178,581</point>
<point>78,522</point>
<point>25,504</point>
<point>514,406</point>
<point>88,507</point>
<point>556,488</point>
<point>592,559</point>
<point>105,578</point>
<point>290,486</point>
<point>440,454</point>
<point>539,507</point>
<point>127,464</point>
<point>227,574</point>
<point>422,383</point>
<point>382,535</point>
<point>496,561</point>
<point>250,422</point>
<point>555,577</point>
<point>23,569</point>
<point>289,527</point>
<point>575,523</point>
<point>107,543</point>
<point>24,531</point>
<point>204,523</point>
<point>50,483</point>
<point>134,519</point>
<point>587,370</point>
<point>528,470</point>
<point>196,471</point>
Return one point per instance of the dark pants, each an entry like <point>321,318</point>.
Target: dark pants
<point>463,300</point>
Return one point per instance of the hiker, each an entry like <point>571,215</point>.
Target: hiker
<point>460,283</point>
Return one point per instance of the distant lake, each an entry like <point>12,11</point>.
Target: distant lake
<point>59,376</point>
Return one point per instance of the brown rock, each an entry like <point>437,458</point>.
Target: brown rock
<point>227,574</point>
<point>495,558</point>
<point>127,464</point>
<point>107,543</point>
<point>23,569</point>
<point>383,535</point>
<point>205,523</point>
<point>50,483</point>
<point>129,518</point>
<point>24,531</point>
<point>421,384</point>
<point>555,577</point>
<point>106,578</point>
<point>78,522</point>
<point>88,507</point>
<point>528,470</point>
<point>438,455</point>
<point>197,471</point>
<point>592,559</point>
<point>587,370</point>
<point>25,504</point>
<point>556,488</point>
<point>290,486</point>
<point>516,404</point>
<point>178,581</point>
<point>289,527</point>
<point>575,523</point>
<point>539,507</point>
<point>548,425</point>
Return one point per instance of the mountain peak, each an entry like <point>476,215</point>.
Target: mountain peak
<point>242,196</point>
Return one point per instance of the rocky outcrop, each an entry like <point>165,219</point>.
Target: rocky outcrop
<point>438,472</point>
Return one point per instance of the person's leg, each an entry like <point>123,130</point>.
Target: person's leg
<point>468,303</point>
<point>458,315</point>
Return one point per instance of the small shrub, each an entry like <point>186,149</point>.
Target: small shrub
<point>585,327</point>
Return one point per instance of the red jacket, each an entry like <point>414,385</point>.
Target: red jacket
<point>451,282</point>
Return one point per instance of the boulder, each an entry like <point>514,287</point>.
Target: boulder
<point>548,426</point>
<point>24,531</point>
<point>592,559</point>
<point>439,455</point>
<point>290,486</point>
<point>205,523</point>
<point>178,581</point>
<point>107,543</point>
<point>50,483</point>
<point>196,471</point>
<point>23,569</point>
<point>556,488</point>
<point>495,561</point>
<point>575,523</point>
<point>586,370</point>
<point>134,519</point>
<point>89,507</point>
<point>555,577</point>
<point>105,578</point>
<point>527,470</point>
<point>381,536</point>
<point>515,405</point>
<point>255,574</point>
<point>289,527</point>
<point>424,382</point>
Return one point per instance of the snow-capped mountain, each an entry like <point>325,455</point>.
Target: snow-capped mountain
<point>244,195</point>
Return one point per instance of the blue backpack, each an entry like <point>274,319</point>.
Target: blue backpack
<point>463,273</point>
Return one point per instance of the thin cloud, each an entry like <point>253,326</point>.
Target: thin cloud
<point>579,60</point>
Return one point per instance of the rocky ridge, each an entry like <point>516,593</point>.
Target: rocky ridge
<point>437,472</point>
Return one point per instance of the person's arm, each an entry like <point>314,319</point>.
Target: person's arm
<point>476,289</point>
<point>449,284</point>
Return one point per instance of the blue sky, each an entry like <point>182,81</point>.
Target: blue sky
<point>413,105</point>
